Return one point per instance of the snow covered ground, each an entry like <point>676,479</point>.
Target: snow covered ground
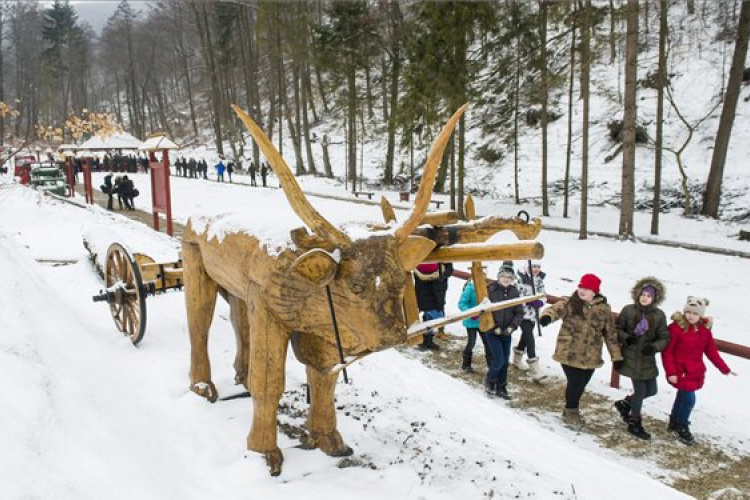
<point>86,415</point>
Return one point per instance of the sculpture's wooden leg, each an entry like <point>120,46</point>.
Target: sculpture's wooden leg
<point>268,346</point>
<point>200,301</point>
<point>321,419</point>
<point>238,316</point>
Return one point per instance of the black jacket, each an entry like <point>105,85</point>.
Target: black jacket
<point>431,294</point>
<point>510,316</point>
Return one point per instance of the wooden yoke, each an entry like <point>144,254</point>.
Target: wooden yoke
<point>478,275</point>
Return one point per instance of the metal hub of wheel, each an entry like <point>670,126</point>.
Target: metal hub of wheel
<point>127,295</point>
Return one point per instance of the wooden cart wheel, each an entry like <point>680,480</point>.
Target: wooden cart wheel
<point>129,306</point>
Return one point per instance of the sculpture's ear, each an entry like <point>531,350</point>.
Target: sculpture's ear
<point>413,251</point>
<point>317,266</point>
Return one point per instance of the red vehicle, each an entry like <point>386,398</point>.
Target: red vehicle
<point>22,170</point>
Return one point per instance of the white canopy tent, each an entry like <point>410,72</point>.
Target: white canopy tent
<point>158,142</point>
<point>122,140</point>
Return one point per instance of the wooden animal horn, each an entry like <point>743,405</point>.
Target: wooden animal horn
<point>429,173</point>
<point>293,192</point>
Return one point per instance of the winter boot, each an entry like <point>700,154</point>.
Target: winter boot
<point>635,427</point>
<point>684,435</point>
<point>428,342</point>
<point>672,425</point>
<point>623,406</point>
<point>501,391</point>
<point>536,372</point>
<point>466,365</point>
<point>518,360</point>
<point>489,387</point>
<point>573,419</point>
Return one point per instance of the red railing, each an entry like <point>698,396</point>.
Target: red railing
<point>731,348</point>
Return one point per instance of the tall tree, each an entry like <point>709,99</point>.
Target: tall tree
<point>661,81</point>
<point>544,96</point>
<point>712,194</point>
<point>627,202</point>
<point>585,86</point>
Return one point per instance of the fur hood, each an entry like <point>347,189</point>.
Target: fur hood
<point>661,291</point>
<point>679,318</point>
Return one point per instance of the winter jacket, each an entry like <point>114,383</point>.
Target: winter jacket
<point>683,356</point>
<point>431,290</point>
<point>639,366</point>
<point>579,343</point>
<point>220,168</point>
<point>510,316</point>
<point>524,287</point>
<point>467,301</point>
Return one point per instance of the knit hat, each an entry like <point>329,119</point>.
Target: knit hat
<point>429,271</point>
<point>506,270</point>
<point>651,290</point>
<point>590,282</point>
<point>696,305</point>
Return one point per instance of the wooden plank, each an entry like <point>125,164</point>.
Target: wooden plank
<point>522,250</point>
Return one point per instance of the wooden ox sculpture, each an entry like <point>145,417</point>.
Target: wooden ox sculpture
<point>280,299</point>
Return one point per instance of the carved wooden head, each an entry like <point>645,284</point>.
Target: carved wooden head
<point>366,276</point>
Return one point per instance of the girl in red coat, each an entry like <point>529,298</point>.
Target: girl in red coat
<point>690,338</point>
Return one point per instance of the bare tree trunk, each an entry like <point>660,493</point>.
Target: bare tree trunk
<point>368,92</point>
<point>306,129</point>
<point>712,195</point>
<point>205,34</point>
<point>396,20</point>
<point>569,147</point>
<point>351,99</point>
<point>461,167</point>
<point>612,33</point>
<point>516,110</point>
<point>326,157</point>
<point>296,126</point>
<point>585,84</point>
<point>544,90</point>
<point>661,82</point>
<point>627,204</point>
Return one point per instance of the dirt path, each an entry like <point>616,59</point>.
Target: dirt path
<point>704,470</point>
<point>139,215</point>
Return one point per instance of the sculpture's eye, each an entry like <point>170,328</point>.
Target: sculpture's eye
<point>358,288</point>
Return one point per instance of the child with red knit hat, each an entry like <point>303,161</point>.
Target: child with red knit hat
<point>587,324</point>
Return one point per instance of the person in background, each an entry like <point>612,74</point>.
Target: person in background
<point>506,321</point>
<point>252,169</point>
<point>230,169</point>
<point>527,342</point>
<point>690,338</point>
<point>264,173</point>
<point>642,328</point>
<point>430,286</point>
<point>127,193</point>
<point>467,301</point>
<point>220,170</point>
<point>587,324</point>
<point>108,189</point>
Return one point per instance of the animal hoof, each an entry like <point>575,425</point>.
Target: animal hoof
<point>333,445</point>
<point>274,459</point>
<point>205,390</point>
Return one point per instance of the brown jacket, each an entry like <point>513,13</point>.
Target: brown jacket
<point>579,343</point>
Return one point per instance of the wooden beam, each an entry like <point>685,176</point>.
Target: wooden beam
<point>480,230</point>
<point>522,250</point>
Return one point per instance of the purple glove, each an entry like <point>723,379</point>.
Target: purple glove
<point>536,304</point>
<point>641,327</point>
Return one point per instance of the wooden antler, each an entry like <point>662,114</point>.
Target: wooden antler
<point>422,200</point>
<point>293,192</point>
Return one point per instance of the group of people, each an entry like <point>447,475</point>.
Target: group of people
<point>123,187</point>
<point>193,168</point>
<point>634,339</point>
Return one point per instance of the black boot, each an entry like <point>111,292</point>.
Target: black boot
<point>623,406</point>
<point>684,434</point>
<point>672,425</point>
<point>428,342</point>
<point>501,391</point>
<point>490,387</point>
<point>635,427</point>
<point>466,365</point>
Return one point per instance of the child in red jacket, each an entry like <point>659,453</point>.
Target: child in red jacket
<point>689,339</point>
